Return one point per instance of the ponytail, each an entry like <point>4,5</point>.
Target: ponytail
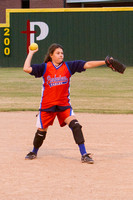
<point>47,58</point>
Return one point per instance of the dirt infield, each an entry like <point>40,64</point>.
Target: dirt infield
<point>57,173</point>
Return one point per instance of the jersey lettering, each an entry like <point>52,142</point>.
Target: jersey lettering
<point>56,80</point>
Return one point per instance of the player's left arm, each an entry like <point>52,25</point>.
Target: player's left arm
<point>114,64</point>
<point>91,64</point>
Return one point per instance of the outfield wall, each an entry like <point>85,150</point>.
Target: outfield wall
<point>85,33</point>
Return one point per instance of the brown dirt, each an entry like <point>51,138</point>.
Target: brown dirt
<point>57,173</point>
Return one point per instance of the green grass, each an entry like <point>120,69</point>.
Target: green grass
<point>98,90</point>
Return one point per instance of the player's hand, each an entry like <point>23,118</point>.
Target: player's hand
<point>33,51</point>
<point>115,65</point>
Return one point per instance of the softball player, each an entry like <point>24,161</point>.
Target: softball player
<point>55,100</point>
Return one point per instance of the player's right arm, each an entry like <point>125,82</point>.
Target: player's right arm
<point>27,65</point>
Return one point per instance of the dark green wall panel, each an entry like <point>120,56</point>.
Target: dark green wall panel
<point>84,35</point>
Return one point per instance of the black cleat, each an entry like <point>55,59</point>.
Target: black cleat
<point>31,156</point>
<point>86,158</point>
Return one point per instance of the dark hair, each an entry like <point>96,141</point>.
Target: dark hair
<point>51,50</point>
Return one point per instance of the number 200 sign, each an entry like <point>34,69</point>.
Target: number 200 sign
<point>7,41</point>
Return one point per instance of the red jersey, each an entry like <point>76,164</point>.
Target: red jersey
<point>56,85</point>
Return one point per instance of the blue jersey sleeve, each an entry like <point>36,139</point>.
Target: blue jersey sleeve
<point>38,70</point>
<point>76,66</point>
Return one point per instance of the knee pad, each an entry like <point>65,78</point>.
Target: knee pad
<point>77,132</point>
<point>38,139</point>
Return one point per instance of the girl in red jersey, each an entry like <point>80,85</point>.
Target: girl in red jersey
<point>55,100</point>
